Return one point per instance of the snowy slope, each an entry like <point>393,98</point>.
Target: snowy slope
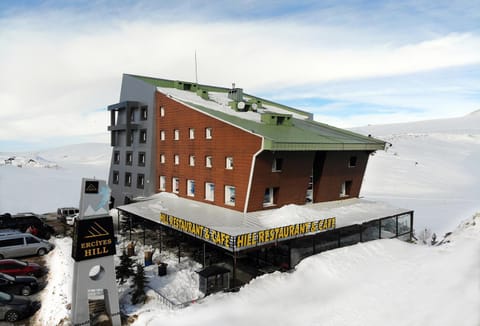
<point>385,282</point>
<point>431,167</point>
<point>53,180</point>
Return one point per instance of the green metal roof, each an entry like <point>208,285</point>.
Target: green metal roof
<point>299,135</point>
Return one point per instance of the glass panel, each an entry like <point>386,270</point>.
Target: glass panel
<point>371,231</point>
<point>326,241</point>
<point>389,227</point>
<point>404,224</point>
<point>349,236</point>
<point>300,249</point>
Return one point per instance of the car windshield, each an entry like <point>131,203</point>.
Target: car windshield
<point>22,263</point>
<point>5,296</point>
<point>7,277</point>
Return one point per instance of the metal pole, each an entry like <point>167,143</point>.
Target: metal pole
<point>234,269</point>
<point>143,226</point>
<point>131,226</point>
<point>204,255</point>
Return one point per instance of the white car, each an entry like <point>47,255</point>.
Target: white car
<point>71,219</point>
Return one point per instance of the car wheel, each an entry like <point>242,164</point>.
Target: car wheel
<point>12,316</point>
<point>1,256</point>
<point>26,290</point>
<point>42,251</point>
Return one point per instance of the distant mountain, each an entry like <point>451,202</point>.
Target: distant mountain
<point>468,124</point>
<point>87,153</point>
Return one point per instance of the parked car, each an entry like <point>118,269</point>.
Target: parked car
<point>23,244</point>
<point>14,307</point>
<point>23,221</point>
<point>63,212</point>
<point>40,216</point>
<point>70,219</point>
<point>19,267</point>
<point>22,285</point>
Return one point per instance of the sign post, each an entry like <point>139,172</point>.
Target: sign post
<point>93,248</point>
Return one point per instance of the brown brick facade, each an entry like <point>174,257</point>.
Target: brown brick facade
<point>226,141</point>
<point>331,169</point>
<point>288,186</point>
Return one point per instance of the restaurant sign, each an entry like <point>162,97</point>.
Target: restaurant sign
<point>233,242</point>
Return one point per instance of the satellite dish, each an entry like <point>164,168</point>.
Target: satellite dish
<point>254,106</point>
<point>241,105</point>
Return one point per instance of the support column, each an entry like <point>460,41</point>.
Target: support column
<point>234,276</point>
<point>143,226</point>
<point>204,263</point>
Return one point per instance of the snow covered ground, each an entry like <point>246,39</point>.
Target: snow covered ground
<point>54,178</point>
<point>431,168</point>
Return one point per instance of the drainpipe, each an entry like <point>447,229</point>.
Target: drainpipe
<point>250,180</point>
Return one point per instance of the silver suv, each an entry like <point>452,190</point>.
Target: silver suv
<point>22,244</point>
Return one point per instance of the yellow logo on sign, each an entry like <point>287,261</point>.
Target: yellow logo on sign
<point>96,230</point>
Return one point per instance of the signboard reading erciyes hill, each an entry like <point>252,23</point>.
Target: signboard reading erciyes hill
<point>93,234</point>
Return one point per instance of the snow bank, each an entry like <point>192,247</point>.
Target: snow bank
<point>57,296</point>
<point>384,282</point>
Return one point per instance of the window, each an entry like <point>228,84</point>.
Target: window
<point>163,183</point>
<point>31,240</point>
<point>143,136</point>
<point>191,160</point>
<point>404,225</point>
<point>115,177</point>
<point>277,165</point>
<point>141,159</point>
<point>162,111</point>
<point>128,179</point>
<point>143,113</point>
<point>176,159</point>
<point>191,133</point>
<point>162,158</point>
<point>129,158</point>
<point>230,195</point>
<point>208,133</point>
<point>131,137</point>
<point>345,189</point>
<point>229,163</point>
<point>175,185</point>
<point>116,157</point>
<point>208,161</point>
<point>352,162</point>
<point>191,188</point>
<point>176,134</point>
<point>209,191</point>
<point>162,135</point>
<point>132,115</point>
<point>140,181</point>
<point>269,198</point>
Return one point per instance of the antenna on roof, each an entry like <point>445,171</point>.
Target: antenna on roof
<point>196,72</point>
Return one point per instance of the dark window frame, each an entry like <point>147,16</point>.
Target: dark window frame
<point>116,157</point>
<point>143,136</point>
<point>144,113</point>
<point>115,177</point>
<point>140,181</point>
<point>139,158</point>
<point>128,158</point>
<point>128,179</point>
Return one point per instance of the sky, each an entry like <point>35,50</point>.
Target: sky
<point>351,63</point>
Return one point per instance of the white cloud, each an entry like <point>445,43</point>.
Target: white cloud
<point>58,68</point>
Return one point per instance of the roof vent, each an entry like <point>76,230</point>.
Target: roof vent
<point>276,119</point>
<point>202,93</point>
<point>236,94</point>
<point>185,86</point>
